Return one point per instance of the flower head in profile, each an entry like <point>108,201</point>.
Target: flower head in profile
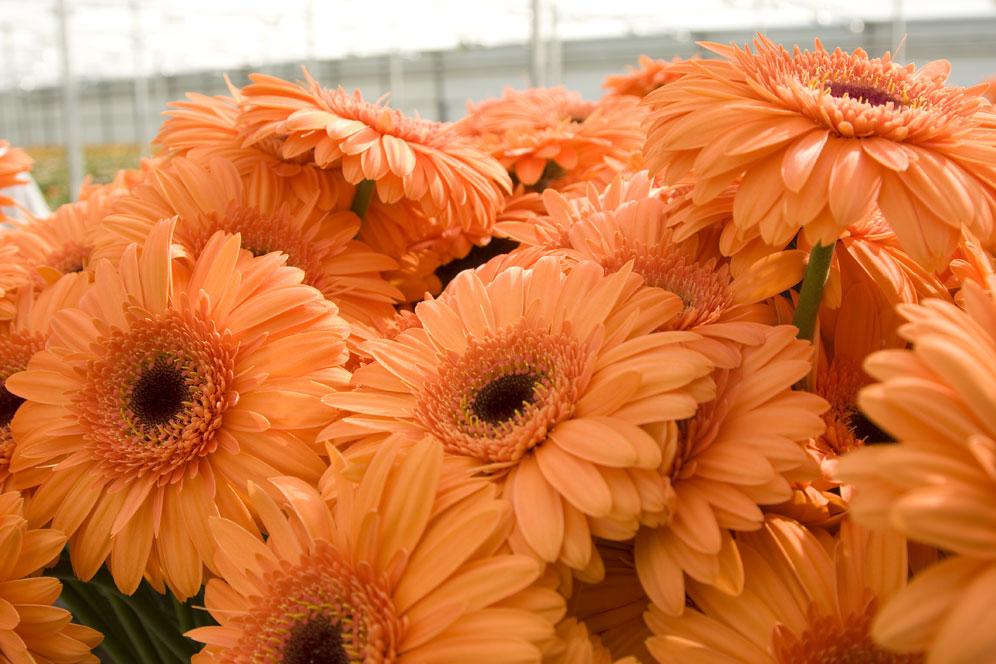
<point>425,162</point>
<point>936,485</point>
<point>396,568</point>
<point>551,137</point>
<point>162,394</point>
<point>203,128</point>
<point>647,77</point>
<point>545,380</point>
<point>33,630</point>
<point>13,162</point>
<point>740,451</point>
<point>821,137</point>
<point>807,599</point>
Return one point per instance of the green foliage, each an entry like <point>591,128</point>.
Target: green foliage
<point>99,161</point>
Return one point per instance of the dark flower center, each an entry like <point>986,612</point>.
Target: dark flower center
<point>317,641</point>
<point>159,393</point>
<point>498,401</point>
<point>8,406</point>
<point>864,93</point>
<point>865,429</point>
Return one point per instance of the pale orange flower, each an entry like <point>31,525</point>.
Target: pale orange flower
<point>14,275</point>
<point>605,605</point>
<point>33,631</point>
<point>936,485</point>
<point>545,380</point>
<point>551,137</point>
<point>394,570</point>
<point>639,81</point>
<point>163,394</point>
<point>740,451</point>
<point>629,221</point>
<point>62,242</point>
<point>268,217</point>
<point>822,137</point>
<point>207,127</point>
<point>426,162</point>
<point>13,162</point>
<point>582,647</point>
<point>24,336</point>
<point>807,599</point>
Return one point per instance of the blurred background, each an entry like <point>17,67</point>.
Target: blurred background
<point>83,83</point>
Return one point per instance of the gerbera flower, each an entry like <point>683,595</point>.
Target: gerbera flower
<point>13,162</point>
<point>24,336</point>
<point>33,630</point>
<point>268,217</point>
<point>936,485</point>
<point>408,158</point>
<point>628,222</point>
<point>13,275</point>
<point>638,81</point>
<point>582,647</point>
<point>163,394</point>
<point>61,243</point>
<point>389,572</point>
<point>207,127</point>
<point>823,137</point>
<point>807,599</point>
<point>551,137</point>
<point>740,451</point>
<point>545,380</point>
<point>607,612</point>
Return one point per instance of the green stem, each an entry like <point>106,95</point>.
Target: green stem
<point>132,627</point>
<point>361,201</point>
<point>182,614</point>
<point>808,308</point>
<point>87,612</point>
<point>153,617</point>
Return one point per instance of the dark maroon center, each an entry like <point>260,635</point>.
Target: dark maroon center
<point>498,401</point>
<point>864,93</point>
<point>159,393</point>
<point>317,641</point>
<point>8,406</point>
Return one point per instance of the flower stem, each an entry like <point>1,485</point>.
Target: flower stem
<point>132,627</point>
<point>87,612</point>
<point>361,201</point>
<point>151,615</point>
<point>808,308</point>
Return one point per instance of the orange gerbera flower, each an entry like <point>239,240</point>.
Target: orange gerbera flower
<point>551,137</point>
<point>936,485</point>
<point>268,217</point>
<point>393,571</point>
<point>822,137</point>
<point>807,599</point>
<point>61,243</point>
<point>13,275</point>
<point>409,158</point>
<point>208,127</point>
<point>33,630</point>
<point>740,451</point>
<point>13,162</point>
<point>545,380</point>
<point>163,394</point>
<point>639,81</point>
<point>607,612</point>
<point>24,336</point>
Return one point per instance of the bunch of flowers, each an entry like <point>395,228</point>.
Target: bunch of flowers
<point>702,371</point>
